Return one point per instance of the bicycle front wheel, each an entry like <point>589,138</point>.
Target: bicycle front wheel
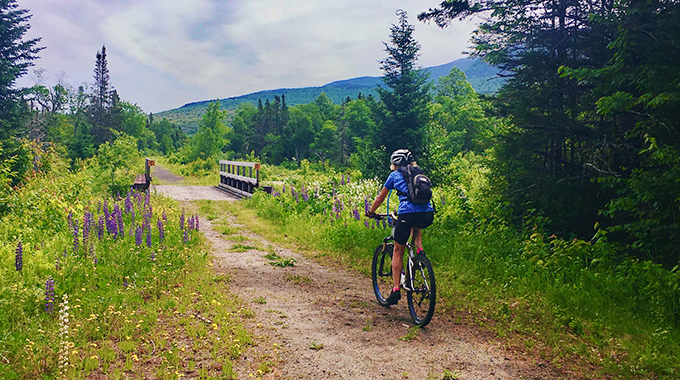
<point>381,272</point>
<point>422,299</point>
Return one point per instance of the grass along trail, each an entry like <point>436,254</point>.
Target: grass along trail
<point>327,324</point>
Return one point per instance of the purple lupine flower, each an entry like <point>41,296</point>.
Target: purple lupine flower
<point>100,227</point>
<point>186,237</point>
<point>153,255</point>
<point>57,266</point>
<point>65,253</point>
<point>366,223</point>
<point>121,227</point>
<point>191,222</point>
<point>106,209</point>
<point>96,260</point>
<point>377,223</point>
<point>138,236</point>
<point>125,283</point>
<point>49,295</point>
<point>87,227</point>
<point>148,238</point>
<point>276,194</point>
<point>305,197</point>
<point>181,221</point>
<point>355,212</point>
<point>384,223</point>
<point>196,222</point>
<point>366,204</point>
<point>75,237</point>
<point>161,232</point>
<point>284,189</point>
<point>70,220</point>
<point>347,178</point>
<point>342,180</point>
<point>19,258</point>
<point>114,228</point>
<point>165,218</point>
<point>128,204</point>
<point>341,206</point>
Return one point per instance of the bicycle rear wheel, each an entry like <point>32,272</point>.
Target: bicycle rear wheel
<point>422,299</point>
<point>381,272</point>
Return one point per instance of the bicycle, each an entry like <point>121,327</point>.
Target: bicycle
<point>417,280</point>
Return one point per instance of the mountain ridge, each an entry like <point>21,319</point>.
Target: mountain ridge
<point>482,77</point>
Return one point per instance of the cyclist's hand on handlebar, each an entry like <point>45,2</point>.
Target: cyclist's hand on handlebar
<point>371,215</point>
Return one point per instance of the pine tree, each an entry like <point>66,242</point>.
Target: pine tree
<point>16,56</point>
<point>406,95</point>
<point>102,99</point>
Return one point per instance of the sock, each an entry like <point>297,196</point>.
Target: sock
<point>419,250</point>
<point>395,289</point>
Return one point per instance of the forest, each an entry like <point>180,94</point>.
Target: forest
<point>561,190</point>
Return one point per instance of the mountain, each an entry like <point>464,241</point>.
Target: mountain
<point>484,79</point>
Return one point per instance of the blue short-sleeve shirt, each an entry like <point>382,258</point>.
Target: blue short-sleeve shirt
<point>395,181</point>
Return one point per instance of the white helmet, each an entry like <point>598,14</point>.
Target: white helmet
<point>401,157</point>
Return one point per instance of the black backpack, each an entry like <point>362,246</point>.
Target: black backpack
<point>419,186</point>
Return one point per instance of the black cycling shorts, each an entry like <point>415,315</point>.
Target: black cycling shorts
<point>405,222</point>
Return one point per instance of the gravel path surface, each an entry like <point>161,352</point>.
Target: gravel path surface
<point>188,193</point>
<point>328,324</point>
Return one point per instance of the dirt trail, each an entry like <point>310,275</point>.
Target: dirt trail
<point>162,174</point>
<point>330,326</point>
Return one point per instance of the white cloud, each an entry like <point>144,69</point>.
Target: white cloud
<point>163,53</point>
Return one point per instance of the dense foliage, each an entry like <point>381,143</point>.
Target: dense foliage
<point>592,96</point>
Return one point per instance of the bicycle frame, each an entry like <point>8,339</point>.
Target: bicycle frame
<point>409,244</point>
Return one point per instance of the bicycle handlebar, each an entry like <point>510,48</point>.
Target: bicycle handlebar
<point>381,216</point>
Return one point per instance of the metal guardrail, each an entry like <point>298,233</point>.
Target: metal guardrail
<point>239,178</point>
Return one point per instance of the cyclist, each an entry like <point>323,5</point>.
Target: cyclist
<point>411,220</point>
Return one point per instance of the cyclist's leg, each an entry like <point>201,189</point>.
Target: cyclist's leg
<point>397,263</point>
<point>417,234</point>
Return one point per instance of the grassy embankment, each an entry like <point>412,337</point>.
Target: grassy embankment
<point>120,288</point>
<point>576,304</point>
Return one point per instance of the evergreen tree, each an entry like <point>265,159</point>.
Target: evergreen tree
<point>101,97</point>
<point>16,56</point>
<point>101,100</point>
<point>405,97</point>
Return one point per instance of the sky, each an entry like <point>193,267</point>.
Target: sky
<point>163,54</point>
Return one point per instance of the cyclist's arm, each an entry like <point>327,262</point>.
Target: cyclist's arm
<point>379,200</point>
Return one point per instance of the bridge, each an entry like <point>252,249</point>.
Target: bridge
<point>240,178</point>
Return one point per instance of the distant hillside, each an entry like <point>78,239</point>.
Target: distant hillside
<point>482,77</point>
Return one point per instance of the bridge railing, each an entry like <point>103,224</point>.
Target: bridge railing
<point>240,178</point>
